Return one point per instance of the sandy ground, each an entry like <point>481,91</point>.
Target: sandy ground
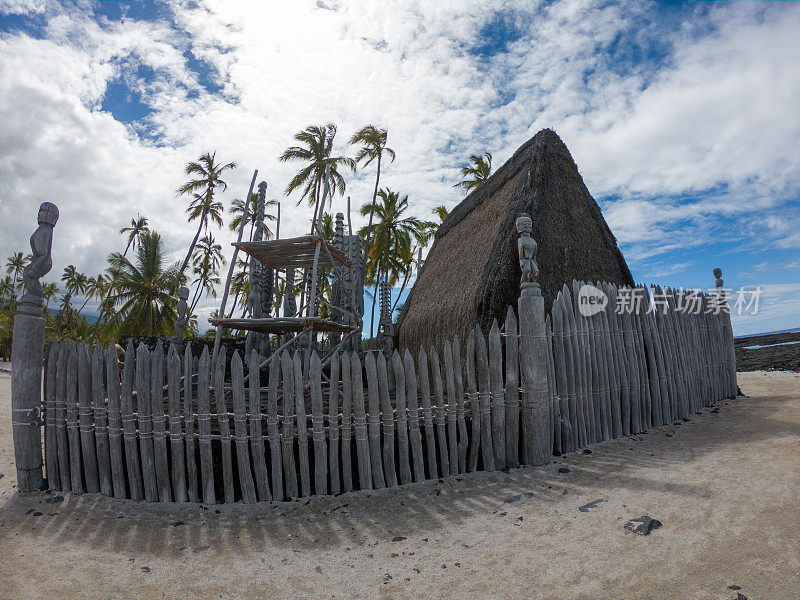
<point>726,486</point>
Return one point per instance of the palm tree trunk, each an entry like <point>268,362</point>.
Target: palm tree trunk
<point>84,304</point>
<point>196,297</point>
<point>316,205</point>
<point>191,247</point>
<point>194,242</point>
<point>402,287</point>
<point>14,287</point>
<point>372,211</point>
<point>374,302</point>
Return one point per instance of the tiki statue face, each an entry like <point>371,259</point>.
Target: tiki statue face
<point>524,224</point>
<point>48,214</point>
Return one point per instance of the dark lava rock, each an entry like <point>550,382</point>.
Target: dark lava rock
<point>643,525</point>
<point>37,514</point>
<point>740,596</point>
<point>668,435</point>
<point>518,498</point>
<point>564,470</point>
<point>398,538</point>
<point>200,549</point>
<point>178,524</point>
<point>145,569</point>
<point>714,411</point>
<point>54,500</point>
<point>734,587</point>
<point>591,505</point>
<point>587,451</point>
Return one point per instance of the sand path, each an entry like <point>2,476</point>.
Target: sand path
<point>725,485</point>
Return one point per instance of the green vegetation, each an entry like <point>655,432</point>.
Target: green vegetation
<point>138,294</point>
<point>476,172</point>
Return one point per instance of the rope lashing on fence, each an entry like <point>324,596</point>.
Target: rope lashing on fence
<point>32,413</point>
<point>604,373</point>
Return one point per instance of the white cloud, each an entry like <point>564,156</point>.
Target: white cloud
<point>22,7</point>
<point>712,105</point>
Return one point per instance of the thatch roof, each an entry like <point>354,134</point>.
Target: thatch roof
<point>472,273</point>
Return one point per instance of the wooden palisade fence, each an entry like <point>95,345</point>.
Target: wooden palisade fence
<point>161,426</point>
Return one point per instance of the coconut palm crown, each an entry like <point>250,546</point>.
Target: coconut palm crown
<point>145,289</point>
<point>476,172</point>
<point>316,150</point>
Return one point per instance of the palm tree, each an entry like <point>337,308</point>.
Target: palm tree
<point>96,287</point>
<point>75,281</point>
<point>373,142</point>
<point>207,261</point>
<point>394,236</point>
<point>135,230</point>
<point>15,266</point>
<point>441,212</point>
<point>49,291</point>
<point>478,171</point>
<point>237,208</point>
<point>66,314</point>
<point>318,140</point>
<point>208,178</point>
<point>6,287</point>
<point>240,285</point>
<point>145,289</point>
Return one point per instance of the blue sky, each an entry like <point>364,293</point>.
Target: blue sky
<point>682,118</point>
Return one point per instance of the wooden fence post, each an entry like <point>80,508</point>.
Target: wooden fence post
<point>460,418</point>
<point>27,357</point>
<point>536,449</point>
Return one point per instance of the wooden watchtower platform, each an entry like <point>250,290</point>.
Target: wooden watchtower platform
<point>310,252</point>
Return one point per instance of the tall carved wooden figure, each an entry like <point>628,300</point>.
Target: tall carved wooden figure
<point>27,353</point>
<point>536,448</point>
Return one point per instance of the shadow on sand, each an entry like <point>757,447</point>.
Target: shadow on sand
<point>360,518</point>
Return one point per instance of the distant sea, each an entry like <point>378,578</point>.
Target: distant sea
<point>790,330</point>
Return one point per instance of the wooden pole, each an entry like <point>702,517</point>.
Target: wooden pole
<point>224,424</point>
<point>85,414</point>
<point>452,402</point>
<point>114,420</point>
<point>460,416</point>
<point>536,424</point>
<point>272,427</point>
<point>27,357</point>
<point>363,446</point>
<point>413,416</point>
<point>427,413</point>
<point>512,389</point>
<point>498,401</point>
<point>374,408</point>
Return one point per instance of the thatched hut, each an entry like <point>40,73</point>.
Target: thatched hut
<point>472,273</point>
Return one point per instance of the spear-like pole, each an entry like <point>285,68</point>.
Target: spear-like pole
<point>221,314</point>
